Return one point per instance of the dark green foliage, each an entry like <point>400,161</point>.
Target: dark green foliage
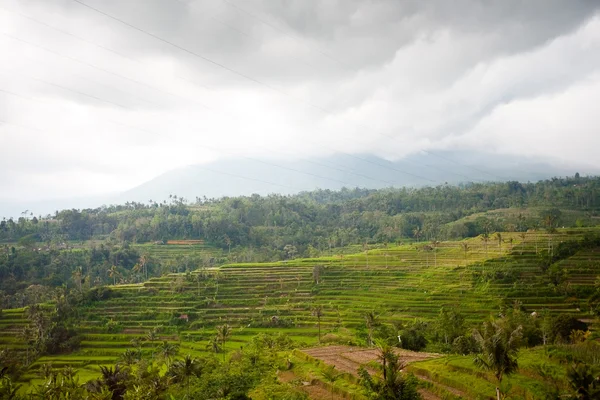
<point>499,344</point>
<point>394,385</point>
<point>413,336</point>
<point>563,325</point>
<point>584,381</point>
<point>464,345</point>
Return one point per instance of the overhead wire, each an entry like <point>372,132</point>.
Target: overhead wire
<point>217,64</point>
<point>121,55</point>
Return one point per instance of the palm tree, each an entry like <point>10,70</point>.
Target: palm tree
<point>499,346</point>
<point>185,369</point>
<point>498,237</point>
<point>152,336</point>
<point>427,249</point>
<point>465,247</point>
<point>77,277</point>
<point>370,322</point>
<point>130,357</point>
<point>394,385</point>
<point>330,375</point>
<point>417,233</point>
<point>168,351</point>
<point>223,333</point>
<point>434,245</point>
<point>485,238</point>
<point>113,273</point>
<point>114,380</point>
<point>136,268</point>
<point>318,312</point>
<point>214,344</point>
<point>385,353</point>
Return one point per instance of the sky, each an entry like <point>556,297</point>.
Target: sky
<point>98,96</point>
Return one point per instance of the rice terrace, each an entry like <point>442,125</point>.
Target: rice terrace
<point>311,317</point>
<point>299,200</point>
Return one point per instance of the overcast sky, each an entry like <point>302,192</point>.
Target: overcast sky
<point>91,105</point>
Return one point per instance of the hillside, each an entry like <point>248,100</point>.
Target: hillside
<point>400,284</point>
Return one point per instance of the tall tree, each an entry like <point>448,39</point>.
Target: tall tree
<point>185,369</point>
<point>499,349</point>
<point>318,312</point>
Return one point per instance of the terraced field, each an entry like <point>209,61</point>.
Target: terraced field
<point>397,283</point>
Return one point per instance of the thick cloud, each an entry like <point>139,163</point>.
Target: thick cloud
<point>89,105</point>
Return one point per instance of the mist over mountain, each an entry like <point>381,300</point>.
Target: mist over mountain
<point>244,176</point>
<point>248,176</point>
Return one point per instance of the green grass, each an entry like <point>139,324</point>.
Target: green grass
<point>397,282</point>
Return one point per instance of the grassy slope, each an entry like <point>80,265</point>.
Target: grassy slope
<point>402,282</point>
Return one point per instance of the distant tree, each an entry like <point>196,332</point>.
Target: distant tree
<point>485,238</point>
<point>316,272</point>
<point>113,272</point>
<point>417,233</point>
<point>317,311</point>
<point>465,247</point>
<point>290,251</point>
<point>498,237</point>
<point>223,333</point>
<point>371,321</point>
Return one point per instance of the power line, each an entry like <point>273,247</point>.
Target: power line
<point>220,65</point>
<point>215,63</point>
<point>205,168</point>
<point>187,80</point>
<point>110,50</point>
<point>199,145</point>
<point>282,31</point>
<point>98,68</point>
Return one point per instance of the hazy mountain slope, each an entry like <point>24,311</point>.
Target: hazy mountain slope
<point>245,177</point>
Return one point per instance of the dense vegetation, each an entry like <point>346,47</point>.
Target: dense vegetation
<point>209,300</point>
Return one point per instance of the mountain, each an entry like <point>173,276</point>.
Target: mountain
<point>245,176</point>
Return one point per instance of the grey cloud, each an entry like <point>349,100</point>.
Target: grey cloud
<point>334,74</point>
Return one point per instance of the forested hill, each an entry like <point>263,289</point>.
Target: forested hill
<point>317,218</point>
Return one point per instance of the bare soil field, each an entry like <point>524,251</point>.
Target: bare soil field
<point>349,359</point>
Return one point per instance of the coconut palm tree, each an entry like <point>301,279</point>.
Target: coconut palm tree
<point>331,376</point>
<point>113,272</point>
<point>465,247</point>
<point>168,351</point>
<point>485,238</point>
<point>130,357</point>
<point>318,312</point>
<point>223,333</point>
<point>78,277</point>
<point>214,344</point>
<point>371,322</point>
<point>184,369</point>
<point>498,237</point>
<point>417,233</point>
<point>499,346</point>
<point>434,245</point>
